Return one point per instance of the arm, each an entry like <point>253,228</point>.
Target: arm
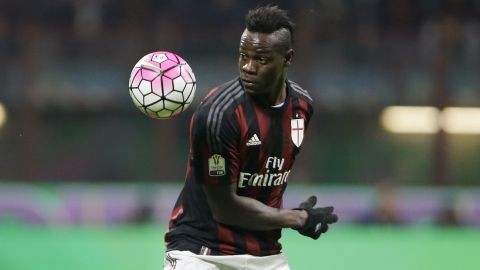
<point>229,208</point>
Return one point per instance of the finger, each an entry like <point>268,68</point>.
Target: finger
<point>312,200</point>
<point>309,203</point>
<point>318,231</point>
<point>332,218</point>
<point>324,228</point>
<point>327,210</point>
<point>321,228</point>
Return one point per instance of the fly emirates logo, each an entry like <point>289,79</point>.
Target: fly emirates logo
<point>266,179</point>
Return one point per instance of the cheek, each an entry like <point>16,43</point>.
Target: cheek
<point>240,63</point>
<point>272,73</point>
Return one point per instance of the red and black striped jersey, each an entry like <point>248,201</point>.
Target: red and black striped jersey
<point>235,138</point>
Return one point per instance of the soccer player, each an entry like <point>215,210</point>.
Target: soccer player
<point>244,138</point>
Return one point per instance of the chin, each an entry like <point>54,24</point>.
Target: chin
<point>250,91</point>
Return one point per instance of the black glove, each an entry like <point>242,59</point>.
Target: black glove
<point>318,218</point>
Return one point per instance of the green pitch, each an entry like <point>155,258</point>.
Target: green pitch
<point>141,248</point>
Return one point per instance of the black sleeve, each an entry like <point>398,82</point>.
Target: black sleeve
<point>214,145</point>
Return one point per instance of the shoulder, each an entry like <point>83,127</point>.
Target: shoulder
<point>215,116</point>
<point>300,92</point>
<point>220,100</point>
<point>301,99</point>
<point>231,89</point>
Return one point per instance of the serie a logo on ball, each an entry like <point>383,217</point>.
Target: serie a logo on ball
<point>162,85</point>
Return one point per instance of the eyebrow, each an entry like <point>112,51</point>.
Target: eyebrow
<point>259,50</point>
<point>263,50</point>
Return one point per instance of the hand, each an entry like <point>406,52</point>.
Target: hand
<point>318,218</point>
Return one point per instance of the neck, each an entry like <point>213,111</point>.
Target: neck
<point>278,95</point>
<point>282,94</point>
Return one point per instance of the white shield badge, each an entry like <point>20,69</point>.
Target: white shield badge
<point>297,131</point>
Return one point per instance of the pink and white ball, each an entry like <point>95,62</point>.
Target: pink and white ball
<point>162,85</point>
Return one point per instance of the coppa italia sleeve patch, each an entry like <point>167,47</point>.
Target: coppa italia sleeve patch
<point>216,165</point>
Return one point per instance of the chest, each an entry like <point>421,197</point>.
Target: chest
<point>270,139</point>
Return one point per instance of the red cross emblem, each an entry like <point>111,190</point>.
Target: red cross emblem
<point>297,131</point>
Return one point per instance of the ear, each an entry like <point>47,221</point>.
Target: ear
<point>289,57</point>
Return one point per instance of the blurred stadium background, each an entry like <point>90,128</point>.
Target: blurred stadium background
<point>87,181</point>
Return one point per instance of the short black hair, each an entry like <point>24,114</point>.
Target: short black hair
<point>268,19</point>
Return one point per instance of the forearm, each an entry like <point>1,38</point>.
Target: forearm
<point>252,214</point>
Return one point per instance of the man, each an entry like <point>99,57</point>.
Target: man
<point>244,137</point>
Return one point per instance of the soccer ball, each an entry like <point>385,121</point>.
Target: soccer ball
<point>162,85</point>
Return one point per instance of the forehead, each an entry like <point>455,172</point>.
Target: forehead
<point>260,42</point>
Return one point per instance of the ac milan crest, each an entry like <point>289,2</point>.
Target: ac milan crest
<point>297,131</point>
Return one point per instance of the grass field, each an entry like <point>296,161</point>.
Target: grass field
<point>141,248</point>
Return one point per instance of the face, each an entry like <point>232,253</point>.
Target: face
<point>262,63</point>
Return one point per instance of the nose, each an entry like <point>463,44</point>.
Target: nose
<point>249,67</point>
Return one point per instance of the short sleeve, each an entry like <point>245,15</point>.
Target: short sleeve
<point>215,153</point>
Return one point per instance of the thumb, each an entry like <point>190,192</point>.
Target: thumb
<point>309,203</point>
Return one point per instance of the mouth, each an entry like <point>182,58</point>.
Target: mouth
<point>248,83</point>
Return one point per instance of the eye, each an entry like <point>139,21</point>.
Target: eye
<point>262,60</point>
<point>243,56</point>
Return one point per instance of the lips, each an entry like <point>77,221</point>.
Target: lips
<point>248,82</point>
